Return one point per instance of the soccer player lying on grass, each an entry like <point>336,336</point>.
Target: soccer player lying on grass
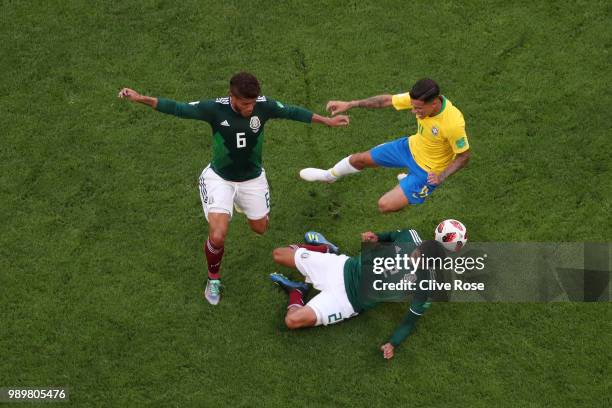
<point>235,175</point>
<point>438,149</point>
<point>339,279</point>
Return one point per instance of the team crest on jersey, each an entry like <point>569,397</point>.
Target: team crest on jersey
<point>255,123</point>
<point>435,131</point>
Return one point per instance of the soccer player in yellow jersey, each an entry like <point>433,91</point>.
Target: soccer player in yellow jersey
<point>438,149</point>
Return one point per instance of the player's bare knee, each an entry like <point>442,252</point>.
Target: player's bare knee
<point>259,228</point>
<point>277,255</point>
<point>384,206</point>
<point>292,322</point>
<point>283,256</point>
<point>217,237</point>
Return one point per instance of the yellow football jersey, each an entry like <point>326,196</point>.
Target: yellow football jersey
<point>439,138</point>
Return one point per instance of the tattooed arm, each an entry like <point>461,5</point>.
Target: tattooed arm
<point>379,101</point>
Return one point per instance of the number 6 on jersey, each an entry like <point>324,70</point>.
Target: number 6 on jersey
<point>240,141</point>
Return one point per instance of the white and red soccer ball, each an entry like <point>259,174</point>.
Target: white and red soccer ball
<point>452,234</point>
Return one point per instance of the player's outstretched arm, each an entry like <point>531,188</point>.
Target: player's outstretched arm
<point>379,101</point>
<point>132,95</point>
<point>196,110</point>
<point>417,308</point>
<point>277,109</point>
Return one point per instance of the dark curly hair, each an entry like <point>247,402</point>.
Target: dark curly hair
<point>245,85</point>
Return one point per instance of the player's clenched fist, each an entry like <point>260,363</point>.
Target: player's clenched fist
<point>337,121</point>
<point>130,94</point>
<point>369,237</point>
<point>335,107</point>
<point>387,350</point>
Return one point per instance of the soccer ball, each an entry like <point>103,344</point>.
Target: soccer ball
<point>452,234</point>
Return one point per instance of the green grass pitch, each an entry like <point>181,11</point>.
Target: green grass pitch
<point>101,267</point>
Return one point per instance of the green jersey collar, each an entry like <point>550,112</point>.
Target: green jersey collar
<point>442,108</point>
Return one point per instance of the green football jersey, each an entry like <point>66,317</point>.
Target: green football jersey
<point>363,298</point>
<point>237,141</point>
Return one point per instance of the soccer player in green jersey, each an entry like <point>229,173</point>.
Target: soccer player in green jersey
<point>341,282</point>
<point>235,176</point>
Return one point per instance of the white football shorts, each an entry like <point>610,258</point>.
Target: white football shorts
<point>326,273</point>
<point>219,195</point>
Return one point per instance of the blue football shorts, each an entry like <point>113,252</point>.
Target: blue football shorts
<point>397,154</point>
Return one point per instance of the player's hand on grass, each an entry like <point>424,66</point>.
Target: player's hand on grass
<point>337,121</point>
<point>387,350</point>
<point>129,94</point>
<point>433,178</point>
<point>369,237</point>
<point>336,107</point>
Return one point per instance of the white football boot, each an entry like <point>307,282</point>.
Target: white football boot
<point>312,174</point>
